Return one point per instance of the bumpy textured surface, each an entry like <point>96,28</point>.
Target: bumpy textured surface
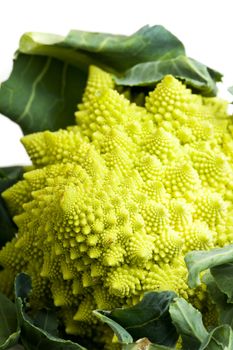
<point>115,202</point>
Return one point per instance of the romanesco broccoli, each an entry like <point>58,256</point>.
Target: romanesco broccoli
<point>115,202</point>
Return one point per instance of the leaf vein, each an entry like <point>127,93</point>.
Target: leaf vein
<point>34,86</point>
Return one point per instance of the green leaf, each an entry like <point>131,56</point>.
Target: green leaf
<point>150,50</point>
<point>198,261</point>
<point>33,337</point>
<point>8,176</point>
<point>225,309</point>
<point>226,315</point>
<point>230,89</point>
<point>9,332</point>
<point>192,72</point>
<point>112,52</point>
<point>122,335</point>
<point>41,93</point>
<point>220,338</point>
<point>188,320</point>
<point>223,275</point>
<point>46,320</point>
<point>216,295</point>
<point>50,71</point>
<point>149,318</point>
<point>23,286</point>
<point>216,76</point>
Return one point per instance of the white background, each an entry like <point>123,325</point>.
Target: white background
<point>205,27</point>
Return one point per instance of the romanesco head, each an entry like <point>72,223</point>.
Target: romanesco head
<point>115,202</point>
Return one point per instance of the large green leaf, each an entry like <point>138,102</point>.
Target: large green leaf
<point>216,295</point>
<point>226,315</point>
<point>224,308</point>
<point>50,71</point>
<point>188,322</point>
<point>122,335</point>
<point>220,338</point>
<point>9,332</point>
<point>198,261</point>
<point>192,72</point>
<point>46,320</point>
<point>112,52</point>
<point>223,275</point>
<point>149,318</point>
<point>32,336</point>
<point>8,176</point>
<point>41,93</point>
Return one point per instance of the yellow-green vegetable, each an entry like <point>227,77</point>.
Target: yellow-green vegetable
<point>114,203</point>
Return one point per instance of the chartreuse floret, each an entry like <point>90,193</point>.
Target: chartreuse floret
<point>115,202</point>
